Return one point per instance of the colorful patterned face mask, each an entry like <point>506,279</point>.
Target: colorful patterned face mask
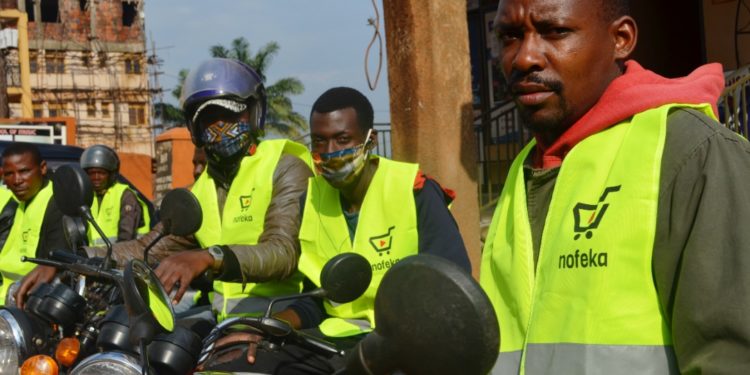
<point>342,167</point>
<point>225,139</point>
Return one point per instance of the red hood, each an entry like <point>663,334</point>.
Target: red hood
<point>633,92</point>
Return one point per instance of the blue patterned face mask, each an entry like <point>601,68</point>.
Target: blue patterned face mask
<point>227,139</point>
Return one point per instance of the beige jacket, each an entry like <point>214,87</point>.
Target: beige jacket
<point>273,258</point>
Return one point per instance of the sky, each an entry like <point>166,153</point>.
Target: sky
<point>323,42</point>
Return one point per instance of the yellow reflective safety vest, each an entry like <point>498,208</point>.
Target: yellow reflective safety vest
<point>386,233</point>
<point>5,196</point>
<point>591,306</point>
<point>243,217</point>
<point>23,239</point>
<point>107,215</point>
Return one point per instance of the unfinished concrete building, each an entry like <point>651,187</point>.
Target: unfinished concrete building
<point>87,60</point>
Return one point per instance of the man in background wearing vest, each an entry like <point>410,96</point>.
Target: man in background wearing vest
<point>37,228</point>
<point>619,243</point>
<point>382,209</point>
<point>117,209</point>
<point>249,195</point>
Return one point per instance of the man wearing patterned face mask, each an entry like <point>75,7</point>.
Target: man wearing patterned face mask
<point>249,195</point>
<point>382,209</point>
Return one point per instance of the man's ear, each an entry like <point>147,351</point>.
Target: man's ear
<point>624,31</point>
<point>43,167</point>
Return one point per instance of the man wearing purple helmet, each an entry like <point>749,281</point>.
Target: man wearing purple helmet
<point>249,194</point>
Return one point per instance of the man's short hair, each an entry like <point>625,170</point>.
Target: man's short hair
<point>345,97</point>
<point>614,9</point>
<point>20,148</point>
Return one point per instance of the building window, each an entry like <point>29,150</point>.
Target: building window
<point>128,13</point>
<point>50,11</point>
<point>34,62</point>
<point>54,63</point>
<point>30,11</point>
<point>91,110</point>
<point>132,65</point>
<point>137,114</point>
<point>102,59</point>
<point>86,59</point>
<point>38,109</point>
<point>105,109</point>
<point>56,110</point>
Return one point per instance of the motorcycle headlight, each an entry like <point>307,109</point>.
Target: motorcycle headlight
<point>108,363</point>
<point>13,347</point>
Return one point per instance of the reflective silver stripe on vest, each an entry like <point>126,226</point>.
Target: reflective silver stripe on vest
<point>507,363</point>
<point>599,359</point>
<point>247,306</point>
<point>362,324</point>
<point>98,241</point>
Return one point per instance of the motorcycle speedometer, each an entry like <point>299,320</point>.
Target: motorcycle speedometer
<point>174,353</point>
<point>108,363</point>
<point>62,305</point>
<point>34,301</point>
<point>114,331</point>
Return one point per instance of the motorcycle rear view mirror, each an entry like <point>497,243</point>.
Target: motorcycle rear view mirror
<point>148,305</point>
<point>72,190</point>
<point>73,194</point>
<point>432,318</point>
<point>74,230</point>
<point>345,277</point>
<point>181,215</point>
<point>180,212</point>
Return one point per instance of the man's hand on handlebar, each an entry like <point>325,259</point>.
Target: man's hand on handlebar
<point>252,340</point>
<point>39,275</point>
<point>178,270</point>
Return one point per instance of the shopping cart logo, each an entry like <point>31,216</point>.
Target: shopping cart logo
<point>592,214</point>
<point>382,243</point>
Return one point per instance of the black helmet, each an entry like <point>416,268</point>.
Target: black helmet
<point>100,156</point>
<point>227,83</point>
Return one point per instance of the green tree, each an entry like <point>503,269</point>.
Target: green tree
<point>281,116</point>
<point>170,115</point>
<point>177,90</point>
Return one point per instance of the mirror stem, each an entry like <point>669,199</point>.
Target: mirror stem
<point>144,357</point>
<point>320,293</point>
<point>86,212</point>
<point>150,245</point>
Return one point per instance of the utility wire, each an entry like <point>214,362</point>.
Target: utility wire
<point>375,23</point>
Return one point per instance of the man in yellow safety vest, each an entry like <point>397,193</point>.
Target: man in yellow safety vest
<point>37,228</point>
<point>120,213</point>
<point>619,243</point>
<point>249,194</point>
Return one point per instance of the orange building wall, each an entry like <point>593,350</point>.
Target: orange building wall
<point>137,169</point>
<point>174,155</point>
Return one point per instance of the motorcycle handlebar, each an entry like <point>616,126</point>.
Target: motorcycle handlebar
<point>270,329</point>
<point>66,257</point>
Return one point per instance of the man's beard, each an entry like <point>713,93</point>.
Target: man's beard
<point>553,124</point>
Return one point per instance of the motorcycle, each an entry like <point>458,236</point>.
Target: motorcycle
<point>65,322</point>
<point>432,318</point>
<point>419,330</point>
